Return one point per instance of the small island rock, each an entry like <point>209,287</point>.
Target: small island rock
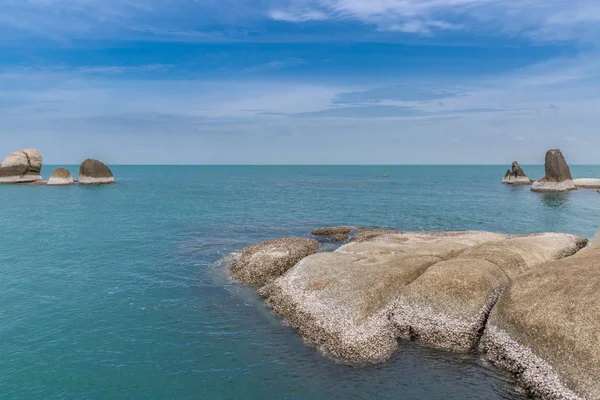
<point>94,172</point>
<point>60,177</point>
<point>558,175</point>
<point>22,167</point>
<point>262,262</point>
<point>516,176</point>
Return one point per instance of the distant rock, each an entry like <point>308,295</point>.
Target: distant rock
<point>262,262</point>
<point>558,175</point>
<point>516,176</point>
<point>587,183</point>
<point>383,176</point>
<point>22,167</point>
<point>335,233</point>
<point>94,172</point>
<point>61,177</point>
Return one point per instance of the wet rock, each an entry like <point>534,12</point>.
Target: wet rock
<point>22,167</point>
<point>334,233</point>
<point>262,262</point>
<point>558,175</point>
<point>60,177</point>
<point>545,328</point>
<point>94,172</point>
<point>516,176</point>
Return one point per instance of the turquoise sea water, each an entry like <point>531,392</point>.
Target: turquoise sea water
<point>116,292</point>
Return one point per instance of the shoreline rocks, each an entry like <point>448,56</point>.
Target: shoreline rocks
<point>22,167</point>
<point>61,177</point>
<point>516,176</point>
<point>587,183</point>
<point>94,172</point>
<point>335,233</point>
<point>558,175</point>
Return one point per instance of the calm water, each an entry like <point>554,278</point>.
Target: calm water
<point>116,292</point>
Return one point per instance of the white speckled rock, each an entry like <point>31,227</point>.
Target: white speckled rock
<point>21,167</point>
<point>587,183</point>
<point>61,177</point>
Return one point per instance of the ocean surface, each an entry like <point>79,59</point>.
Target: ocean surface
<point>118,292</point>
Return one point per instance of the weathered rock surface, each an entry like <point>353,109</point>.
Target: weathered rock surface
<point>335,233</point>
<point>21,167</point>
<point>367,234</point>
<point>558,175</point>
<point>61,177</point>
<point>94,172</point>
<point>261,262</point>
<point>587,183</point>
<point>449,304</point>
<point>546,328</point>
<point>516,176</point>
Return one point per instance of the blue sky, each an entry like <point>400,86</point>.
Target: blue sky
<point>300,81</point>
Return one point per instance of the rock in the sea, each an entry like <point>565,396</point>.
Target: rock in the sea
<point>61,177</point>
<point>516,176</point>
<point>262,262</point>
<point>558,175</point>
<point>448,305</point>
<point>546,328</point>
<point>335,233</point>
<point>587,183</point>
<point>383,176</point>
<point>341,301</point>
<point>22,167</point>
<point>94,172</point>
<point>367,234</point>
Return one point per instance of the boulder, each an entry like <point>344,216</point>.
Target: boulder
<point>383,176</point>
<point>22,167</point>
<point>94,172</point>
<point>546,328</point>
<point>558,175</point>
<point>335,233</point>
<point>587,183</point>
<point>61,177</point>
<point>448,305</point>
<point>364,235</point>
<point>262,262</point>
<point>516,176</point>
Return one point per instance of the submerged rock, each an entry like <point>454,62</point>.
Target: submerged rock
<point>545,328</point>
<point>262,262</point>
<point>558,175</point>
<point>516,176</point>
<point>335,233</point>
<point>94,172</point>
<point>587,183</point>
<point>61,177</point>
<point>22,167</point>
<point>448,305</point>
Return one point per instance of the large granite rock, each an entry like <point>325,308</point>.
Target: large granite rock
<point>516,176</point>
<point>334,233</point>
<point>448,305</point>
<point>94,172</point>
<point>587,183</point>
<point>61,177</point>
<point>546,328</point>
<point>262,262</point>
<point>558,175</point>
<point>22,167</point>
<point>341,301</point>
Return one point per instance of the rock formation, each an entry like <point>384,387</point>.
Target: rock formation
<point>335,233</point>
<point>587,183</point>
<point>261,262</point>
<point>60,177</point>
<point>516,176</point>
<point>558,175</point>
<point>22,167</point>
<point>94,172</point>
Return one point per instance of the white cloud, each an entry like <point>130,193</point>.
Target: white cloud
<point>297,15</point>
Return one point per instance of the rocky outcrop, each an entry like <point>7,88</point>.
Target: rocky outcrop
<point>587,183</point>
<point>558,175</point>
<point>262,262</point>
<point>367,234</point>
<point>334,233</point>
<point>94,172</point>
<point>61,177</point>
<point>545,328</point>
<point>23,166</point>
<point>448,305</point>
<point>516,176</point>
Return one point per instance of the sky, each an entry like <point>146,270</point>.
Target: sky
<point>300,81</point>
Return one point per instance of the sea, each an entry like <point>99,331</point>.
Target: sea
<point>121,291</point>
